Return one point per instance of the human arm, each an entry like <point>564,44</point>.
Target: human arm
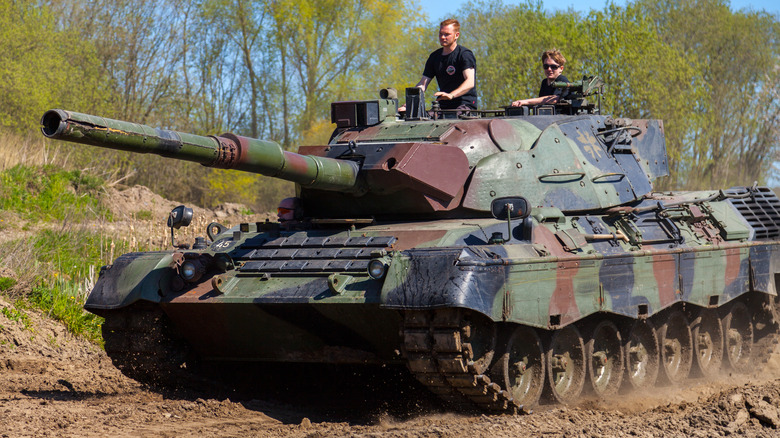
<point>465,86</point>
<point>547,94</point>
<point>543,100</point>
<point>423,84</point>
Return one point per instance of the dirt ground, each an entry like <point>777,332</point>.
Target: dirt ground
<point>53,384</point>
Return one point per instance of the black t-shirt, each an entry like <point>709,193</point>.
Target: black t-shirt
<point>548,90</point>
<point>448,71</point>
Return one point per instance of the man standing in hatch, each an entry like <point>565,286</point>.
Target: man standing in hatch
<point>454,68</point>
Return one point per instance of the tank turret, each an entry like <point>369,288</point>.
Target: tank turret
<point>380,165</point>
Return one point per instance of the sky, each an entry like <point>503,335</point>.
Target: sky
<point>439,9</point>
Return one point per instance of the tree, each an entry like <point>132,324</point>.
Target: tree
<point>330,40</point>
<point>734,136</point>
<point>42,66</point>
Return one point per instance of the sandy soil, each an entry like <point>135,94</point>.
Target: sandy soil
<point>53,384</point>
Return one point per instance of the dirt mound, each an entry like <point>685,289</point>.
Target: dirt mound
<point>138,203</point>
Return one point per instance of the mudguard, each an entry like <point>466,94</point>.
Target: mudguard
<point>133,277</point>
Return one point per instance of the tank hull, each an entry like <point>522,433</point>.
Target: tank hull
<point>400,256</point>
<point>306,296</point>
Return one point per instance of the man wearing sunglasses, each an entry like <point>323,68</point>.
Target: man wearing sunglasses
<point>454,68</point>
<point>552,64</point>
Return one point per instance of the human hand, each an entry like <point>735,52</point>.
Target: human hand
<point>518,103</point>
<point>441,95</point>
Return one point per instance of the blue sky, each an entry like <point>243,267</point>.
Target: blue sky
<point>438,9</point>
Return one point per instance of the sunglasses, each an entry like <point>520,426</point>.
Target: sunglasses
<point>283,210</point>
<point>551,66</point>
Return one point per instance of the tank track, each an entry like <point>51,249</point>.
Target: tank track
<point>139,341</point>
<point>443,353</point>
<point>438,347</point>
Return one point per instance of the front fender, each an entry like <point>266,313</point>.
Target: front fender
<point>432,278</point>
<point>133,277</point>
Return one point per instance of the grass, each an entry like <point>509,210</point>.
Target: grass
<point>55,260</point>
<point>47,193</point>
<point>144,215</point>
<point>18,315</point>
<point>57,264</point>
<point>64,301</point>
<point>60,266</point>
<point>6,283</point>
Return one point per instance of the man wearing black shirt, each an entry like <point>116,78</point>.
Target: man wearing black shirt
<point>454,68</point>
<point>552,63</point>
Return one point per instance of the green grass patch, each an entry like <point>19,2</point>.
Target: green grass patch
<point>48,193</point>
<point>64,301</point>
<point>76,254</point>
<point>6,283</point>
<point>144,215</point>
<point>64,265</point>
<point>18,315</point>
<point>74,258</point>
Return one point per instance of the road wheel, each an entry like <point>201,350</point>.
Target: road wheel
<point>738,337</point>
<point>565,362</point>
<point>522,367</point>
<point>605,359</point>
<point>707,333</point>
<point>674,341</point>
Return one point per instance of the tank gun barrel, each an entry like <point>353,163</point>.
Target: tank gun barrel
<point>227,151</point>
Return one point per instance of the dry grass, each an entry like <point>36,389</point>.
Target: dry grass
<point>31,150</point>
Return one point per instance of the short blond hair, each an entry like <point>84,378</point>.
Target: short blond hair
<point>455,24</point>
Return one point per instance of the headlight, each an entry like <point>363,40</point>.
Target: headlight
<point>377,269</point>
<point>191,270</point>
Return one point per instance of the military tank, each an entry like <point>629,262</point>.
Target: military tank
<point>500,255</point>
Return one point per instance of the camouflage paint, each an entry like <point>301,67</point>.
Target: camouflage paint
<point>598,240</point>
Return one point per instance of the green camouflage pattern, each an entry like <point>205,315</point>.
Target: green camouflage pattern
<point>412,200</point>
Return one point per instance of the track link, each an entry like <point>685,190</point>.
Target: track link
<point>439,352</point>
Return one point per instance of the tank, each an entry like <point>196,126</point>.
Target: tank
<point>503,257</point>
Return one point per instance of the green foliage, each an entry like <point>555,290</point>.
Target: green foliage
<point>335,46</point>
<point>63,264</point>
<point>48,193</point>
<point>36,61</point>
<point>73,254</point>
<point>733,135</point>
<point>259,192</point>
<point>17,314</point>
<point>144,215</point>
<point>6,283</point>
<point>64,301</point>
